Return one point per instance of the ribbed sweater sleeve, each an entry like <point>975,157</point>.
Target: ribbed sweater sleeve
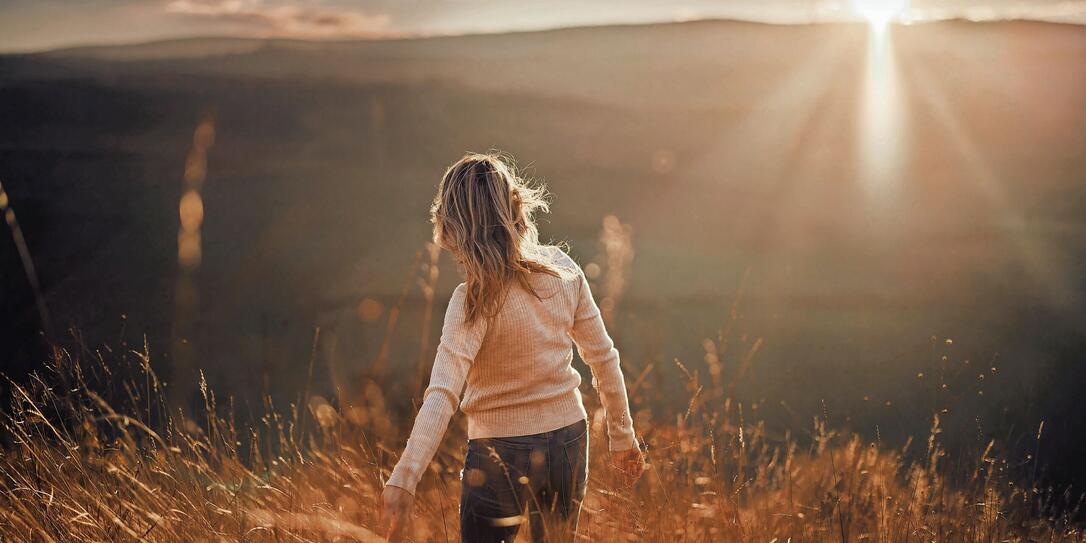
<point>457,349</point>
<point>598,351</point>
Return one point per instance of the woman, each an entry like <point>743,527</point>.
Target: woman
<point>507,335</point>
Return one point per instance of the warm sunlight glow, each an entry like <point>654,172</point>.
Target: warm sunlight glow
<point>883,124</point>
<point>879,12</point>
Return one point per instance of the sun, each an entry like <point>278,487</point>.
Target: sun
<point>879,12</point>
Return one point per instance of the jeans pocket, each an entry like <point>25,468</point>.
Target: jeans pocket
<point>577,429</point>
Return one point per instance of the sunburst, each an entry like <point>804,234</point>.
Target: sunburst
<point>879,13</point>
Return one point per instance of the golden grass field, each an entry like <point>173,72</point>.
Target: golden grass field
<point>94,453</point>
<point>79,468</point>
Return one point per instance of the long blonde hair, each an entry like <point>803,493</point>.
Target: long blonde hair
<point>483,215</point>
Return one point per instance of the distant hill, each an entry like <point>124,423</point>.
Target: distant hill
<point>159,50</point>
<point>599,63</point>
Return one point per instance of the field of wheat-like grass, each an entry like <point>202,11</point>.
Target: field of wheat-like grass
<point>92,453</point>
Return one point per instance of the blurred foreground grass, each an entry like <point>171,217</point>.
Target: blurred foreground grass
<point>92,453</point>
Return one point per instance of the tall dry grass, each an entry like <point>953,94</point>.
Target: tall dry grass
<point>93,452</point>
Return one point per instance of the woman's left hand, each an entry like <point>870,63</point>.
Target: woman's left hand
<point>630,463</point>
<point>396,512</point>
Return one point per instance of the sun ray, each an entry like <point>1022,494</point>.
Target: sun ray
<point>883,126</point>
<point>1038,262</point>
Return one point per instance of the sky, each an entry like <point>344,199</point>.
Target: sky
<point>36,25</point>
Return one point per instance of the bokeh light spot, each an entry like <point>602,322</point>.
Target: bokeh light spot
<point>369,310</point>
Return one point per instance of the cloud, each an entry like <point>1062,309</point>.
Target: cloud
<point>283,20</point>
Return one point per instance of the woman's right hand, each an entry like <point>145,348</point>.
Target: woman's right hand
<point>630,463</point>
<point>396,512</point>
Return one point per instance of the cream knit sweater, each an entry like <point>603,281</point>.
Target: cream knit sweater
<point>517,366</point>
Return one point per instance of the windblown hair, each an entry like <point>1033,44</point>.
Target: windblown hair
<point>483,215</point>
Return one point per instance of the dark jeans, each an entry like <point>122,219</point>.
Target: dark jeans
<point>538,478</point>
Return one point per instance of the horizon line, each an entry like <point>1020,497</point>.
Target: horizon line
<point>404,35</point>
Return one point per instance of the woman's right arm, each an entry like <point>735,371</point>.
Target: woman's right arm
<point>460,343</point>
<point>598,351</point>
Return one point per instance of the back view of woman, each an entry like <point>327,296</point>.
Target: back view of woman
<point>508,336</point>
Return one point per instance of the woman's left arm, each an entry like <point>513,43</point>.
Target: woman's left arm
<point>460,342</point>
